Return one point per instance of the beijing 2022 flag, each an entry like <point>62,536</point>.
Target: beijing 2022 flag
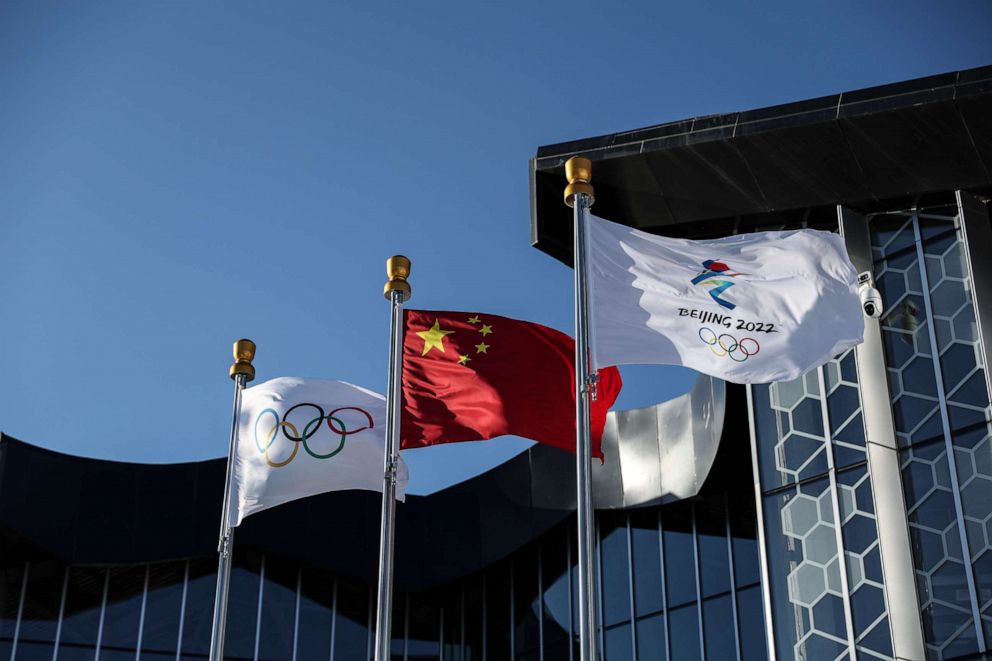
<point>300,437</point>
<point>748,308</point>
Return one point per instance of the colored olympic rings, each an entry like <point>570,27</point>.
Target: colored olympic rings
<point>725,344</point>
<point>284,428</point>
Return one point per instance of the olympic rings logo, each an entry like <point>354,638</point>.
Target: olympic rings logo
<point>725,344</point>
<point>285,428</point>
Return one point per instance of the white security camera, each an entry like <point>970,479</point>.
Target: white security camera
<point>871,300</point>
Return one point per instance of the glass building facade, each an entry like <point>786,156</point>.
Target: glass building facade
<point>677,582</point>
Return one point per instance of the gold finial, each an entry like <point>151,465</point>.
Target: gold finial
<point>244,353</point>
<point>397,270</point>
<point>578,171</point>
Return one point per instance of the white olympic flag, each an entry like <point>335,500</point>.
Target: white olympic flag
<point>300,437</point>
<point>748,308</point>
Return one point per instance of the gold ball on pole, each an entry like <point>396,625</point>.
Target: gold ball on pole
<point>244,353</point>
<point>397,270</point>
<point>578,171</point>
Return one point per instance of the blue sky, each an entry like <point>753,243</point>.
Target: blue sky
<point>176,175</point>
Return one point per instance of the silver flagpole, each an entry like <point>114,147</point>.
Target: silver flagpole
<point>242,372</point>
<point>397,290</point>
<point>579,196</point>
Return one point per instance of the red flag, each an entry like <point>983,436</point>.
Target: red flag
<point>470,376</point>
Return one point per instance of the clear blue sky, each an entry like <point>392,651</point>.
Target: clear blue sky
<point>176,175</point>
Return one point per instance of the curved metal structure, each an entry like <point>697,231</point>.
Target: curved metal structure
<point>90,511</point>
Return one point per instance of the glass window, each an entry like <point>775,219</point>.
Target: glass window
<point>42,601</point>
<point>683,630</point>
<point>718,628</point>
<point>651,638</point>
<point>451,616</point>
<point>646,555</point>
<point>473,620</point>
<point>554,574</point>
<point>680,558</point>
<point>160,633</point>
<point>397,641</point>
<point>275,637</point>
<point>11,579</point>
<point>614,559</point>
<point>316,617</point>
<point>743,531</point>
<point>199,612</point>
<point>351,621</point>
<point>714,552</point>
<point>497,589</point>
<point>81,615</point>
<point>121,619</point>
<point>804,567</point>
<point>751,624</point>
<point>425,629</point>
<point>618,643</point>
<point>526,602</point>
<point>242,606</point>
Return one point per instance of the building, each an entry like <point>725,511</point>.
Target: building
<point>847,515</point>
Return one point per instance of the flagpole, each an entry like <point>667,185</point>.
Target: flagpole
<point>397,291</point>
<point>242,372</point>
<point>579,196</point>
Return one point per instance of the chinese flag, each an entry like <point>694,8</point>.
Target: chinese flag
<point>470,376</point>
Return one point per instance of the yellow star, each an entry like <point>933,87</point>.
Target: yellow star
<point>433,338</point>
<point>481,348</point>
<point>486,330</point>
<point>473,320</point>
<point>463,360</point>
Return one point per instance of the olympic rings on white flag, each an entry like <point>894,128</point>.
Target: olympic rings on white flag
<point>281,427</point>
<point>726,345</point>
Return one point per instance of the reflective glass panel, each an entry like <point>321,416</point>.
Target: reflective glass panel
<point>651,638</point>
<point>242,607</point>
<point>554,571</point>
<point>473,619</point>
<point>646,553</point>
<point>316,599</point>
<point>618,643</point>
<point>423,643</point>
<point>81,615</point>
<point>718,628</point>
<point>751,625</point>
<point>683,631</point>
<point>41,611</point>
<point>275,638</point>
<point>351,628</point>
<point>714,550</point>
<point>497,588</point>
<point>199,612</point>
<point>121,618</point>
<point>680,559</point>
<point>10,597</point>
<point>806,591</point>
<point>526,602</point>
<point>160,633</point>
<point>615,568</point>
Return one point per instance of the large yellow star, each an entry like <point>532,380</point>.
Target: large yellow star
<point>486,330</point>
<point>433,338</point>
<point>481,348</point>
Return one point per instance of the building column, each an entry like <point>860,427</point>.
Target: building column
<point>977,235</point>
<point>883,464</point>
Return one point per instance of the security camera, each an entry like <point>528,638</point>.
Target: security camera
<point>871,300</point>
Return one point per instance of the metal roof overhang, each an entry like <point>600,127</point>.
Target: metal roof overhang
<point>862,149</point>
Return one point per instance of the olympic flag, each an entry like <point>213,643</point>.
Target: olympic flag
<point>300,437</point>
<point>748,308</point>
